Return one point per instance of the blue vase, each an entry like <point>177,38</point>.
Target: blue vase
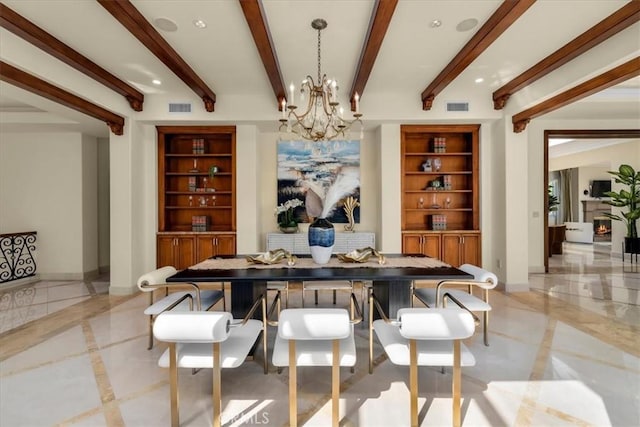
<point>322,237</point>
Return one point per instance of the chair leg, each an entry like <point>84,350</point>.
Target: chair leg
<point>335,384</point>
<point>413,381</point>
<point>316,297</point>
<point>286,295</point>
<point>173,385</point>
<point>456,386</point>
<point>485,328</point>
<point>150,333</point>
<point>217,400</point>
<point>264,330</point>
<point>334,297</point>
<point>293,402</point>
<point>371,333</point>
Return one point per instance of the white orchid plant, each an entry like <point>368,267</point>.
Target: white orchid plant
<point>285,211</point>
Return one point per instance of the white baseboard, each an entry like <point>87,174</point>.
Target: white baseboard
<point>20,282</point>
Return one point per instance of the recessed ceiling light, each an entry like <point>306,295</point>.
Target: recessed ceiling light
<point>479,80</point>
<point>199,23</point>
<point>467,24</point>
<point>165,24</point>
<point>435,23</point>
<point>156,82</point>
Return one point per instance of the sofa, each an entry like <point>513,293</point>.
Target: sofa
<point>579,232</point>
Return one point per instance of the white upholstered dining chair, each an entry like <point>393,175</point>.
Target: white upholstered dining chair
<point>426,337</point>
<point>314,337</point>
<point>193,299</point>
<point>444,293</point>
<point>205,340</point>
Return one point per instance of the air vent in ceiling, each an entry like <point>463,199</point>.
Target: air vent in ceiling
<point>457,106</point>
<point>175,107</point>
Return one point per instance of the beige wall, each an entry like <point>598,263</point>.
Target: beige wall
<point>42,188</point>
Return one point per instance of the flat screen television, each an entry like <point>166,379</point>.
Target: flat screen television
<point>598,188</point>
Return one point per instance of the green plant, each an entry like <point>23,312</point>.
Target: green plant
<point>285,211</point>
<point>626,198</point>
<point>213,170</point>
<point>553,200</point>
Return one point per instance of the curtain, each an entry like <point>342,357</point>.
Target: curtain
<point>566,195</point>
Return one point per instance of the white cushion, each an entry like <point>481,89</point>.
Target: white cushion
<point>207,300</point>
<point>192,326</point>
<point>435,323</point>
<point>430,353</point>
<point>326,285</point>
<point>471,302</point>
<point>315,353</point>
<point>481,275</point>
<point>314,324</point>
<point>155,277</point>
<point>233,351</point>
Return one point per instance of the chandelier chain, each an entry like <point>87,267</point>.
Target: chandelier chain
<point>319,57</point>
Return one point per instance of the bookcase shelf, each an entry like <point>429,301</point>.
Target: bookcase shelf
<point>447,177</point>
<point>189,231</point>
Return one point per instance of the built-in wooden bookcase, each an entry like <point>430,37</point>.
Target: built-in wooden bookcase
<point>196,208</point>
<point>440,192</point>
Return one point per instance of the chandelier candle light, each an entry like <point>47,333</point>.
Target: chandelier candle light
<point>322,120</point>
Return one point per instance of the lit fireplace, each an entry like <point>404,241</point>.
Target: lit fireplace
<point>602,229</point>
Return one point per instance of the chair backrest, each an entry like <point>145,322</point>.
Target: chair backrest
<point>192,326</point>
<point>314,324</point>
<point>435,323</point>
<point>480,275</point>
<point>147,281</point>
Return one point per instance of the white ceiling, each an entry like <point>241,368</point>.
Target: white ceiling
<point>411,56</point>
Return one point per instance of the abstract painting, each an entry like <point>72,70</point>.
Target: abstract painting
<point>323,171</point>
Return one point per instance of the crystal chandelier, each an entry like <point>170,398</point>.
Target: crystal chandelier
<point>322,118</point>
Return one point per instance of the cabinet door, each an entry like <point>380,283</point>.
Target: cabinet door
<point>451,249</point>
<point>431,245</point>
<point>206,247</point>
<point>470,250</point>
<point>411,244</point>
<point>185,252</point>
<point>165,251</point>
<point>225,244</point>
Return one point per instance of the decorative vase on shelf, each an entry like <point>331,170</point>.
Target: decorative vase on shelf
<point>322,237</point>
<point>288,229</point>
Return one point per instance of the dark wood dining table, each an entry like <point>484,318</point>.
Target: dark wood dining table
<point>391,282</point>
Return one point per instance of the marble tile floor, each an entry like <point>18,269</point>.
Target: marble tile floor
<point>565,353</point>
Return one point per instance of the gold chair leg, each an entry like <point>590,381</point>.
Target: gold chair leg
<point>217,392</point>
<point>456,386</point>
<point>293,402</point>
<point>485,328</point>
<point>173,385</point>
<point>264,331</point>
<point>335,384</point>
<point>371,333</point>
<point>413,382</point>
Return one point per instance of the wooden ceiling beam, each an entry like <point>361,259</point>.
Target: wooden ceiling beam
<point>626,71</point>
<point>35,35</point>
<point>610,26</point>
<point>140,28</point>
<point>33,84</point>
<point>254,14</point>
<point>380,19</point>
<point>508,12</point>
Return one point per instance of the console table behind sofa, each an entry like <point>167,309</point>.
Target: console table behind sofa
<point>298,243</point>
